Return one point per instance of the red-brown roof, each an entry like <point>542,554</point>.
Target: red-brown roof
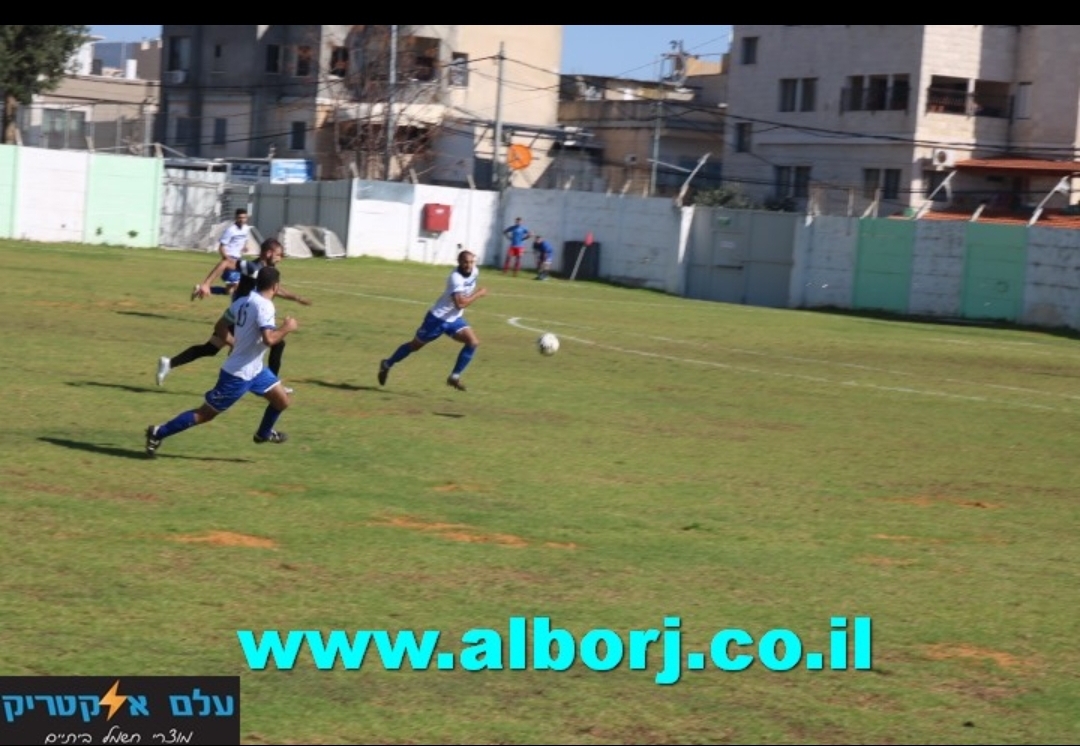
<point>1032,166</point>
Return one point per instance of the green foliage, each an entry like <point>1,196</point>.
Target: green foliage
<point>724,196</point>
<point>33,59</point>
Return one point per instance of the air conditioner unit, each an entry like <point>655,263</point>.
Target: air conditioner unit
<point>175,77</point>
<point>943,158</point>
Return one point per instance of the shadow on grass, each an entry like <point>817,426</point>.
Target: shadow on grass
<point>147,315</point>
<point>448,414</point>
<point>953,321</point>
<point>121,386</point>
<point>131,453</point>
<point>351,387</point>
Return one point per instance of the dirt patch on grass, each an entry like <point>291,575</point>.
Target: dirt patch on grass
<point>885,561</point>
<point>227,539</point>
<point>455,487</point>
<point>460,532</point>
<point>901,537</point>
<point>926,501</point>
<point>1004,660</point>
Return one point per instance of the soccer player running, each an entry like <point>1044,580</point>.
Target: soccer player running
<point>231,248</point>
<point>243,372</point>
<point>271,253</point>
<point>447,317</point>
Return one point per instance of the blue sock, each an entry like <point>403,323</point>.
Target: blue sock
<point>400,354</point>
<point>219,290</point>
<point>270,416</point>
<point>177,424</point>
<point>463,359</point>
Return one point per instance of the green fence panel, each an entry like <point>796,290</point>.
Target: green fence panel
<point>123,201</point>
<point>883,262</point>
<point>995,260</point>
<point>9,177</point>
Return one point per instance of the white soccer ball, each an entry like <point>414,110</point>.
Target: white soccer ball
<point>548,344</point>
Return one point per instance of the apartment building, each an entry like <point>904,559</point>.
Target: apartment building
<point>624,125</point>
<point>877,119</point>
<point>330,94</point>
<point>96,108</point>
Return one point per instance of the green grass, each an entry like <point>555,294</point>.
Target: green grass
<point>735,466</point>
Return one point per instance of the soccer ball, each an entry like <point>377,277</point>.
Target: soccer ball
<point>548,344</point>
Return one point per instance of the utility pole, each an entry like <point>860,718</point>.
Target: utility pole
<point>656,136</point>
<point>391,124</point>
<point>496,166</point>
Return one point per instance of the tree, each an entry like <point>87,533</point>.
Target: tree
<point>33,59</point>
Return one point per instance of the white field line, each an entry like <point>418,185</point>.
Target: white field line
<point>516,322</point>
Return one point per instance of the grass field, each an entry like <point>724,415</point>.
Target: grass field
<point>737,467</point>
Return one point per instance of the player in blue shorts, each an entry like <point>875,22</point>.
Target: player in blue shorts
<point>254,332</point>
<point>447,317</point>
<point>271,254</point>
<point>544,254</point>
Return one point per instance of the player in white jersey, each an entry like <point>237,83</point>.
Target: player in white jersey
<point>231,248</point>
<point>447,317</point>
<point>254,332</point>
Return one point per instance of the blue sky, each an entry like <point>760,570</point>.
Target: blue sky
<point>590,50</point>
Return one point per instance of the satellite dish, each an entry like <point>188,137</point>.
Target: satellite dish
<point>518,157</point>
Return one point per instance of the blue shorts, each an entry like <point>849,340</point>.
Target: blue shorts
<point>433,328</point>
<point>230,276</point>
<point>231,389</point>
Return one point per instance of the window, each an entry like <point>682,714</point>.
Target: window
<point>802,182</point>
<point>339,62</point>
<point>749,50</point>
<point>877,92</point>
<point>792,182</point>
<point>179,55</point>
<point>219,61</point>
<point>220,128</point>
<point>742,137</point>
<point>421,55</point>
<point>807,99</point>
<point>934,179</point>
<point>871,180</point>
<point>789,92</point>
<point>296,136</point>
<point>891,188</point>
<point>887,180</point>
<point>1023,100</point>
<point>798,94</point>
<point>186,131</point>
<point>855,93</point>
<point>303,62</point>
<point>273,58</point>
<point>458,74</point>
<point>63,128</point>
<point>901,90</point>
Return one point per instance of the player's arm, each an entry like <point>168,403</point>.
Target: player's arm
<point>282,293</point>
<point>224,263</point>
<point>462,301</point>
<point>272,336</point>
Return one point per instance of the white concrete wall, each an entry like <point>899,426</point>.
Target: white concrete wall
<point>52,195</point>
<point>1052,285</point>
<point>937,271</point>
<point>386,220</point>
<point>639,237</point>
<point>825,264</point>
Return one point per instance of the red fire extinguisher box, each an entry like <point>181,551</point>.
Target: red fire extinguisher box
<point>436,218</point>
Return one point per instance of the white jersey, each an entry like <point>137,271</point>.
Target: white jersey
<point>444,307</point>
<point>252,314</point>
<point>235,239</point>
